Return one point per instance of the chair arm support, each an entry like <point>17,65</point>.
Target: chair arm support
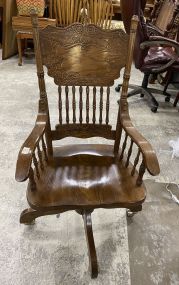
<point>155,41</point>
<point>150,158</point>
<point>26,152</point>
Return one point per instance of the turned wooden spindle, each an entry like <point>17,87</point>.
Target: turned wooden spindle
<point>87,104</point>
<point>74,104</point>
<point>81,104</point>
<point>39,152</point>
<point>94,105</point>
<point>135,162</point>
<point>141,173</point>
<point>67,104</point>
<point>107,106</point>
<point>101,106</point>
<point>44,149</point>
<point>32,180</point>
<point>129,154</point>
<point>36,165</point>
<point>124,146</point>
<point>60,103</point>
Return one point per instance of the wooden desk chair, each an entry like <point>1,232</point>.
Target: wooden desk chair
<point>87,176</point>
<point>98,12</point>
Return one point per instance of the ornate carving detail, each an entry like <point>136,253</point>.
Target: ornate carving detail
<point>83,54</point>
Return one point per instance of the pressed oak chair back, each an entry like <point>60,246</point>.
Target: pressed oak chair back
<point>84,61</point>
<point>98,12</point>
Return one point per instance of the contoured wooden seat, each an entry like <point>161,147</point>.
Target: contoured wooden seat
<point>84,61</point>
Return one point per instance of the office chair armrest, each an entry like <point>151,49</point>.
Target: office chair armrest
<point>155,41</point>
<point>27,150</point>
<point>149,155</point>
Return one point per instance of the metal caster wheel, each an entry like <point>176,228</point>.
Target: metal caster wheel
<point>167,99</point>
<point>118,88</point>
<point>129,213</point>
<point>154,109</point>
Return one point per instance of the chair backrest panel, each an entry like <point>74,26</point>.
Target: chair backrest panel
<point>165,15</point>
<point>83,55</point>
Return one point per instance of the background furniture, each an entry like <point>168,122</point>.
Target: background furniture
<point>162,20</point>
<point>9,46</point>
<point>98,12</point>
<point>86,176</point>
<point>148,58</point>
<point>147,12</point>
<point>23,27</point>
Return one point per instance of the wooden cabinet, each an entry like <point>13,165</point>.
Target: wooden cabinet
<point>9,46</point>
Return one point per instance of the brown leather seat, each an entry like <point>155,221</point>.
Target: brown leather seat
<point>85,176</point>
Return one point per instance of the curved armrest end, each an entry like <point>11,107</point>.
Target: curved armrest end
<point>26,152</point>
<point>150,158</point>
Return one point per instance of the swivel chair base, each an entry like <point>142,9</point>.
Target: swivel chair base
<point>146,91</point>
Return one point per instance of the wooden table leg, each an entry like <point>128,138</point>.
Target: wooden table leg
<point>19,49</point>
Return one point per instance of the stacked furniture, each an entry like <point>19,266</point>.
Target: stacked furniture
<point>8,10</point>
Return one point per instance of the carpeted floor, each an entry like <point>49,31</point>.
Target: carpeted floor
<point>54,250</point>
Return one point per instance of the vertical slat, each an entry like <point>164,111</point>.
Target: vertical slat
<point>94,105</point>
<point>107,14</point>
<point>103,14</point>
<point>92,11</point>
<point>36,165</point>
<point>95,12</point>
<point>75,11</point>
<point>44,149</point>
<point>67,11</point>
<point>67,104</point>
<point>141,173</point>
<point>40,157</point>
<point>79,11</point>
<point>124,146</point>
<point>101,106</point>
<point>74,104</point>
<point>81,104</point>
<point>129,154</point>
<point>72,11</point>
<point>87,104</point>
<point>107,105</point>
<point>59,12</point>
<point>60,103</point>
<point>135,162</point>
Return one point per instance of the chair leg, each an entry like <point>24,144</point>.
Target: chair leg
<point>28,216</point>
<point>19,50</point>
<point>91,245</point>
<point>176,100</point>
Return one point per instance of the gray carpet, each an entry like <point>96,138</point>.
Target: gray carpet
<point>153,238</point>
<point>54,250</point>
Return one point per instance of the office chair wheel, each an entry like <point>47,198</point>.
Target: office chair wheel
<point>129,213</point>
<point>167,99</point>
<point>118,88</point>
<point>154,109</point>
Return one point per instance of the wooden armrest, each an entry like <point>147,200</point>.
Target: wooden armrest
<point>150,158</point>
<point>155,41</point>
<point>25,154</point>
